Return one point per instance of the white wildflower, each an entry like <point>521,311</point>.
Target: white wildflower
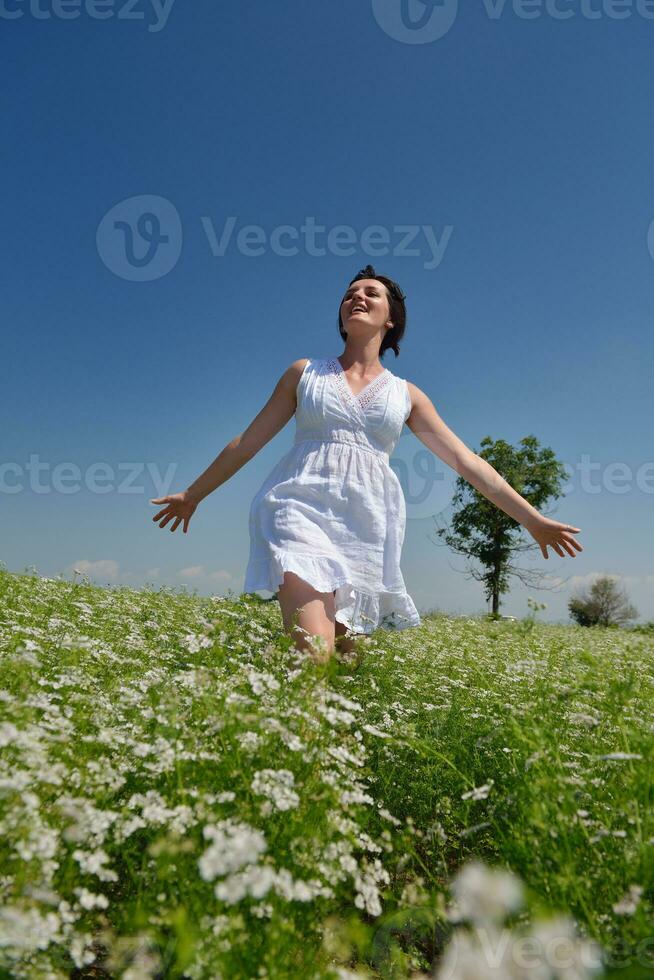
<point>81,951</point>
<point>344,702</point>
<point>479,792</point>
<point>388,816</point>
<point>128,827</point>
<point>276,785</point>
<point>260,681</point>
<point>629,903</point>
<point>355,796</point>
<point>92,862</point>
<point>89,900</point>
<point>248,740</point>
<point>367,892</point>
<point>484,895</point>
<point>292,741</point>
<point>42,842</point>
<point>335,716</point>
<point>194,643</point>
<point>375,731</point>
<point>341,753</point>
<point>262,911</point>
<point>256,880</point>
<point>8,733</point>
<point>26,929</point>
<point>233,846</point>
<point>580,718</point>
<point>220,924</point>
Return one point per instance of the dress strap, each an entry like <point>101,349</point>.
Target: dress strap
<point>299,388</point>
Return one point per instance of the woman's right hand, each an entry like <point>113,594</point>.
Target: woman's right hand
<point>179,506</point>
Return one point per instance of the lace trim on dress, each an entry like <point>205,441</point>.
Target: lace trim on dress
<point>367,395</point>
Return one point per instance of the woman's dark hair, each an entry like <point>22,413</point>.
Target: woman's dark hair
<point>396,298</point>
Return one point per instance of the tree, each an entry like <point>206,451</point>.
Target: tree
<point>480,530</point>
<point>603,605</point>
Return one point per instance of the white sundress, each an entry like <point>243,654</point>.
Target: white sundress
<point>332,510</point>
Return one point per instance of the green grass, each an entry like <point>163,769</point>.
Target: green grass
<point>184,794</point>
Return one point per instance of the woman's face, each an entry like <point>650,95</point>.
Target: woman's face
<point>365,304</point>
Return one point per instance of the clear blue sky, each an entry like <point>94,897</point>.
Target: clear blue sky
<point>523,146</point>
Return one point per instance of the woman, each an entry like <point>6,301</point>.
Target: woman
<point>327,525</point>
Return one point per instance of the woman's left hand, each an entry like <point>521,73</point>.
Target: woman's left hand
<point>558,536</point>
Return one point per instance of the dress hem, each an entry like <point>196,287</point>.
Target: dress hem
<point>356,609</point>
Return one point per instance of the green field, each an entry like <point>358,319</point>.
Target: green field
<point>184,794</point>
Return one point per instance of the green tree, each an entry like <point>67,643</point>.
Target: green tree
<point>479,530</point>
<point>604,604</point>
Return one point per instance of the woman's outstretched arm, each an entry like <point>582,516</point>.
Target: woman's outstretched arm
<point>279,408</point>
<point>429,427</point>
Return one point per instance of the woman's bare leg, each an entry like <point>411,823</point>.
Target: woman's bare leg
<point>302,606</point>
<point>344,644</point>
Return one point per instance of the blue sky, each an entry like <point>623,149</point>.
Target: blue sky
<point>521,146</point>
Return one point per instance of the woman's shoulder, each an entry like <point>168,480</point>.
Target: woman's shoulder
<point>300,364</point>
<point>297,368</point>
<point>412,393</point>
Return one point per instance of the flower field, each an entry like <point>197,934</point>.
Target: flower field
<point>184,794</point>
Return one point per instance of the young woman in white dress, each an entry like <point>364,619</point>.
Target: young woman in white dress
<point>372,319</point>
